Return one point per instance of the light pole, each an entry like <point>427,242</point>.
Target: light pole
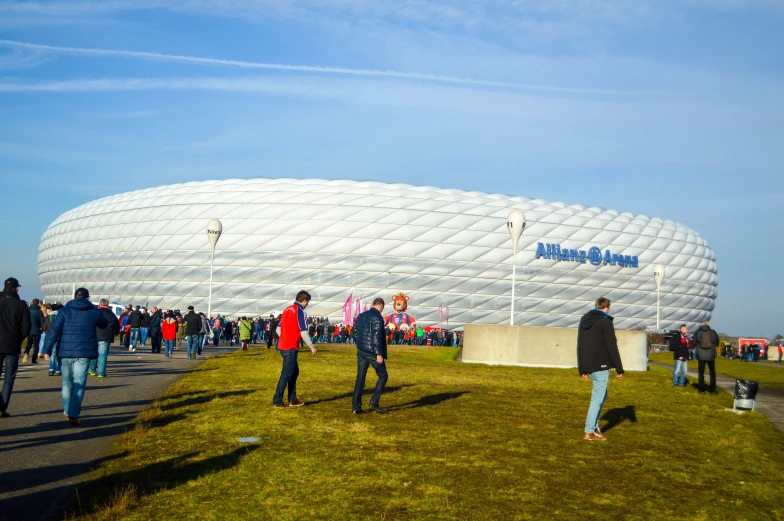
<point>658,276</point>
<point>515,223</point>
<point>214,230</point>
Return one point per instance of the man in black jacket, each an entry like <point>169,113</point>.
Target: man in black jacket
<point>135,322</point>
<point>680,345</point>
<point>105,338</point>
<point>14,328</point>
<point>36,326</point>
<point>192,328</point>
<point>155,329</point>
<point>597,353</point>
<point>371,350</point>
<point>706,341</point>
<point>144,327</point>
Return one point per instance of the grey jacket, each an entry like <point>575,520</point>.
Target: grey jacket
<point>706,341</point>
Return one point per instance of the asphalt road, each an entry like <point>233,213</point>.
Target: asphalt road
<point>42,456</point>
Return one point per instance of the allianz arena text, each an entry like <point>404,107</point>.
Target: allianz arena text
<point>443,248</point>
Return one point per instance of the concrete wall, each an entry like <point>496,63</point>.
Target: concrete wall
<point>542,346</point>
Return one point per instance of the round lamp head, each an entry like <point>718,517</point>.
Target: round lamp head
<point>658,274</point>
<point>515,223</point>
<point>214,230</point>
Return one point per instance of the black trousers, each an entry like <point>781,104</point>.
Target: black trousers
<point>701,374</point>
<point>32,341</point>
<point>155,340</point>
<point>363,361</point>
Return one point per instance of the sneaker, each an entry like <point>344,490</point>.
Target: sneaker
<point>51,373</point>
<point>378,409</point>
<point>591,436</point>
<point>57,373</point>
<point>90,373</point>
<point>101,376</point>
<point>599,435</point>
<point>24,359</point>
<point>296,403</point>
<point>4,414</point>
<point>130,349</point>
<point>74,421</point>
<point>359,411</point>
<point>280,405</point>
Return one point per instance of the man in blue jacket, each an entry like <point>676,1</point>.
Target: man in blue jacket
<point>371,342</point>
<point>74,329</point>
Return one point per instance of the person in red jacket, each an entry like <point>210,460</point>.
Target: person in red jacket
<point>292,330</point>
<point>169,332</point>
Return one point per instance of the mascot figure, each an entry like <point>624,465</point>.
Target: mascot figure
<point>399,319</point>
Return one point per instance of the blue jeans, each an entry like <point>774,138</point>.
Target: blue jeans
<point>143,334</point>
<point>288,376</point>
<point>693,354</point>
<point>192,345</point>
<point>11,364</point>
<point>54,360</point>
<point>216,332</point>
<point>100,362</point>
<point>74,384</point>
<point>598,396</point>
<point>201,341</point>
<point>134,336</point>
<point>168,347</point>
<point>679,372</point>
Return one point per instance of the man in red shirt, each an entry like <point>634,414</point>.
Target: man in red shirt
<point>292,330</point>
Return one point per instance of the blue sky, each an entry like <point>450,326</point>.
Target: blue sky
<point>671,108</point>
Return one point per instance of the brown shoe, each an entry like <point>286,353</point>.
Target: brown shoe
<point>298,403</point>
<point>280,405</point>
<point>590,436</point>
<point>599,435</point>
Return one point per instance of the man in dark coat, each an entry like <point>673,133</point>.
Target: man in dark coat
<point>144,327</point>
<point>706,341</point>
<point>135,323</point>
<point>371,343</point>
<point>597,353</point>
<point>155,329</point>
<point>36,327</point>
<point>14,327</point>
<point>192,328</point>
<point>680,345</point>
<point>105,338</point>
<point>75,330</point>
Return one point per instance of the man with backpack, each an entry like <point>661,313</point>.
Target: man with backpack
<point>706,341</point>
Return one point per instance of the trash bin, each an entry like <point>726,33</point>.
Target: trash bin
<point>745,392</point>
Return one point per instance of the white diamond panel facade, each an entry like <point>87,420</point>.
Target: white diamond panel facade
<point>447,248</point>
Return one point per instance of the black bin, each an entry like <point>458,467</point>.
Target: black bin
<point>745,392</point>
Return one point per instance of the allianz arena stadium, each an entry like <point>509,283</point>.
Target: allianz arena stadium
<point>443,248</point>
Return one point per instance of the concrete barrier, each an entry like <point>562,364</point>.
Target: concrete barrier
<point>542,346</point>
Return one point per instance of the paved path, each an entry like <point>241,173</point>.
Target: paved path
<point>768,402</point>
<point>42,456</point>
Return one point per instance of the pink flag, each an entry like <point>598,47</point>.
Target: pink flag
<point>357,305</point>
<point>440,314</point>
<point>447,316</point>
<point>347,309</point>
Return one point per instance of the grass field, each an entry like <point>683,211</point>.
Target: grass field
<point>770,376</point>
<point>461,441</point>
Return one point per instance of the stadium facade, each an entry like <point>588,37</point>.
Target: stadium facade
<point>443,248</point>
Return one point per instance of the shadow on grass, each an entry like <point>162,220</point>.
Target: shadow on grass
<point>615,417</point>
<point>369,391</point>
<point>204,398</point>
<point>428,401</point>
<point>95,495</point>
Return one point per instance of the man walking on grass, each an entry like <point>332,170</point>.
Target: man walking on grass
<point>292,330</point>
<point>597,353</point>
<point>706,341</point>
<point>14,328</point>
<point>371,350</point>
<point>680,345</point>
<point>75,330</point>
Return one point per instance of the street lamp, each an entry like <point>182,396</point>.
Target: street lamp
<point>515,223</point>
<point>214,230</point>
<point>658,276</point>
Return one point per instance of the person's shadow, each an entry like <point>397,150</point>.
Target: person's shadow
<point>427,401</point>
<point>615,417</point>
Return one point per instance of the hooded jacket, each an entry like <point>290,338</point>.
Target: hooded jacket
<point>135,319</point>
<point>192,323</point>
<point>597,347</point>
<point>14,323</point>
<point>75,329</point>
<point>706,341</point>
